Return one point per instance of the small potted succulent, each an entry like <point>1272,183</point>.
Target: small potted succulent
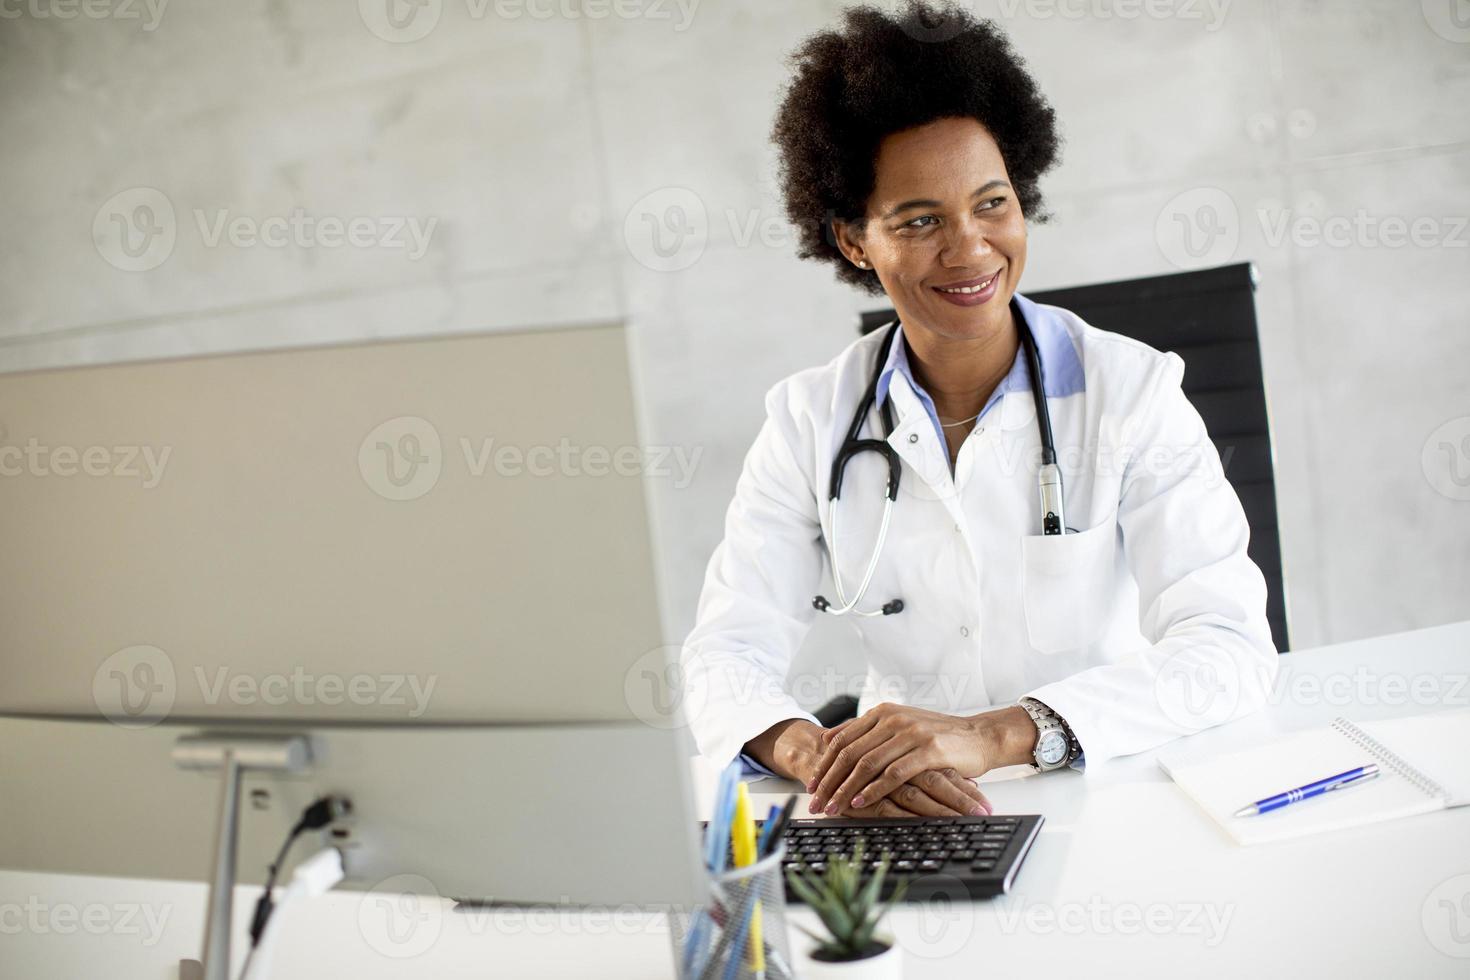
<point>850,910</point>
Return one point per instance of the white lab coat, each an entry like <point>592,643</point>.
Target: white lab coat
<point>1147,624</point>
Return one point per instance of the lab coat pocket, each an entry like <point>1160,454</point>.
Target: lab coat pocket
<point>1067,586</point>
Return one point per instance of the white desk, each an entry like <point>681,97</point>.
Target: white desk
<point>1127,878</point>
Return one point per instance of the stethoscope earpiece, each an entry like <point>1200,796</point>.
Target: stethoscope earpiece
<point>822,604</point>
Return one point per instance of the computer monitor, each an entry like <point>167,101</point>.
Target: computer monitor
<point>450,530</point>
<point>425,562</point>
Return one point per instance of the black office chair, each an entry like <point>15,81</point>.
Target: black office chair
<point>1208,318</point>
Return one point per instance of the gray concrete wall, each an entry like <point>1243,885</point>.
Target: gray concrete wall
<point>537,145</point>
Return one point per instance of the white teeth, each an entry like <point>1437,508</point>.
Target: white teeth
<point>969,289</point>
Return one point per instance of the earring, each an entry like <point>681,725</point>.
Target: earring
<point>862,264</point>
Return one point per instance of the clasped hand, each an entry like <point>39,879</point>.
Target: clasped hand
<point>896,760</point>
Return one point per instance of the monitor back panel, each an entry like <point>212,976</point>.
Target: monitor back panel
<point>449,529</point>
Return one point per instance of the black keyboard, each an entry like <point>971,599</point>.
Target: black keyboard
<point>950,857</point>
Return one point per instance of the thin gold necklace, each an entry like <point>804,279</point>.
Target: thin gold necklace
<point>951,425</point>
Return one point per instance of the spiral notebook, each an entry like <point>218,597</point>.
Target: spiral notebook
<point>1424,761</point>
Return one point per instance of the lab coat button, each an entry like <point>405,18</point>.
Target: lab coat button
<point>913,437</point>
<point>964,631</point>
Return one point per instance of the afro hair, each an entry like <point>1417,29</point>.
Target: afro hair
<point>881,74</point>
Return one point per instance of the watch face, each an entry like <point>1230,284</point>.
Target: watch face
<point>1052,748</point>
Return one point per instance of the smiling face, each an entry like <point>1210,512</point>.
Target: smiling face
<point>943,220</point>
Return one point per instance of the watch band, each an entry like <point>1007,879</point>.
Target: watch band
<point>1047,720</point>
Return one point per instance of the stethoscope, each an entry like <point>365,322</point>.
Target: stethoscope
<point>1049,476</point>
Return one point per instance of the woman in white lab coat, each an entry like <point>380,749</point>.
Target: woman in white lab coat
<point>911,148</point>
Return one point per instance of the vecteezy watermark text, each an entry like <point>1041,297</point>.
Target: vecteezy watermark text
<point>86,9</point>
<point>136,687</point>
<point>406,21</point>
<point>42,460</point>
<point>1210,12</point>
<point>1363,229</point>
<point>1101,917</point>
<point>669,686</point>
<point>302,230</point>
<point>39,917</point>
<point>136,230</point>
<point>403,458</point>
<point>568,459</point>
<point>1203,226</point>
<point>301,687</point>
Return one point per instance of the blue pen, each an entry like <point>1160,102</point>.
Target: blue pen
<point>719,828</point>
<point>737,948</point>
<point>767,827</point>
<point>714,854</point>
<point>1341,781</point>
<point>716,836</point>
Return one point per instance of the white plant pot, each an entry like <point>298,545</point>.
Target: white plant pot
<point>887,965</point>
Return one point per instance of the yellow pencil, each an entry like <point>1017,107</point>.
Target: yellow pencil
<point>742,840</point>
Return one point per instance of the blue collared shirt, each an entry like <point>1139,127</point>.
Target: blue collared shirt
<point>1061,368</point>
<point>1061,375</point>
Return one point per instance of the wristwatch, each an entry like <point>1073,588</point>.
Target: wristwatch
<point>1056,746</point>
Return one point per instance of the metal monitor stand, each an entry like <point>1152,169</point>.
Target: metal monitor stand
<point>230,755</point>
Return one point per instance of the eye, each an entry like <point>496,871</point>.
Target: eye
<point>915,223</point>
<point>994,202</point>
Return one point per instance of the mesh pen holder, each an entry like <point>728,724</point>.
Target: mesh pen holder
<point>714,942</point>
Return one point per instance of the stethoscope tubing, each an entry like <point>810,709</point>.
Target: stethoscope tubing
<point>1049,477</point>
